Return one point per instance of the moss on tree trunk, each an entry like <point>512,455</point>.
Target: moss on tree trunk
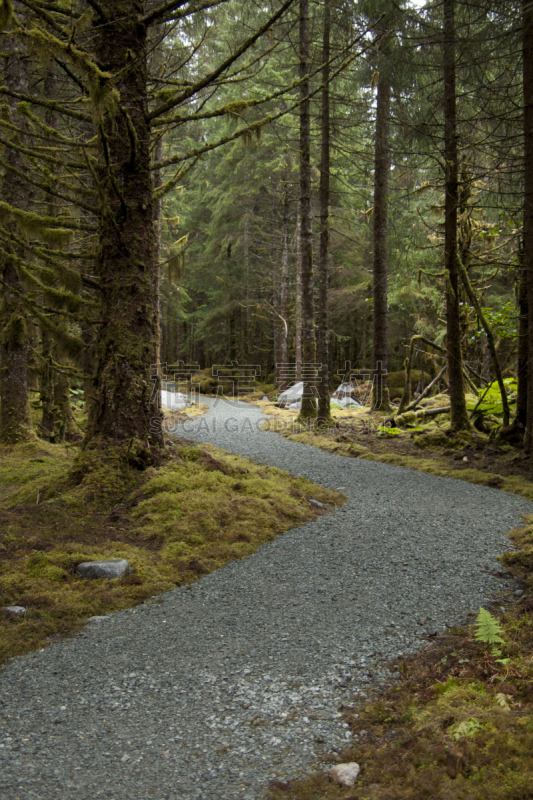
<point>125,411</point>
<point>15,420</point>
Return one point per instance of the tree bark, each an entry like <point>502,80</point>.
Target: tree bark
<point>15,420</point>
<point>298,298</point>
<point>459,413</point>
<point>527,53</point>
<point>124,414</point>
<point>522,366</point>
<point>380,393</point>
<point>284,277</point>
<point>324,411</point>
<point>308,322</point>
<point>490,339</point>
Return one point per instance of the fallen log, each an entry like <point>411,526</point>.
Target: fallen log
<point>429,387</point>
<point>415,416</point>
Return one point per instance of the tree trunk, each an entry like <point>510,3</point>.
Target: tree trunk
<point>284,278</point>
<point>308,322</point>
<point>324,411</point>
<point>298,298</point>
<point>157,181</point>
<point>15,420</point>
<point>459,414</point>
<point>490,339</point>
<point>46,386</point>
<point>380,394</point>
<point>123,414</point>
<point>527,51</point>
<point>521,400</point>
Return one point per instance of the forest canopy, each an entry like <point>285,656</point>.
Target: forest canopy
<point>328,182</point>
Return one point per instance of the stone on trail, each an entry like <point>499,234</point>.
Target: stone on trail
<point>345,774</point>
<point>114,568</point>
<point>17,611</point>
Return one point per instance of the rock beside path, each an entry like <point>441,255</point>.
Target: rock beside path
<point>345,774</point>
<point>114,568</point>
<point>17,611</point>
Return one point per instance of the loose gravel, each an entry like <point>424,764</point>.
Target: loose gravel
<point>213,690</point>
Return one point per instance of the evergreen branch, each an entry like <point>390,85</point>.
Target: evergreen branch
<point>166,12</point>
<point>72,302</point>
<point>248,130</point>
<point>45,187</point>
<point>46,255</point>
<point>170,184</point>
<point>99,10</point>
<point>72,76</point>
<point>210,77</point>
<point>30,220</point>
<point>53,105</point>
<point>52,133</point>
<point>41,12</point>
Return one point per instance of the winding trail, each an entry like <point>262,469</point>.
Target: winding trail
<point>213,691</point>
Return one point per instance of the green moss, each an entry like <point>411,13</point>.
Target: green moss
<point>173,524</point>
<point>459,726</point>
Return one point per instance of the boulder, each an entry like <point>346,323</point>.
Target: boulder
<point>345,774</point>
<point>291,395</point>
<point>174,401</point>
<point>344,390</point>
<point>347,402</point>
<point>114,568</point>
<point>17,611</point>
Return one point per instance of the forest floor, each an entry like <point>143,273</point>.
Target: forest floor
<point>457,724</point>
<point>200,510</point>
<point>476,457</point>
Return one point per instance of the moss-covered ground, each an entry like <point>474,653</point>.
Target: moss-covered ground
<point>200,510</point>
<point>429,446</point>
<point>457,725</point>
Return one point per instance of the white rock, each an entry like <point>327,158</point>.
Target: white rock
<point>292,394</point>
<point>343,390</point>
<point>347,402</point>
<point>114,568</point>
<point>295,406</point>
<point>174,401</point>
<point>345,774</point>
<point>17,611</point>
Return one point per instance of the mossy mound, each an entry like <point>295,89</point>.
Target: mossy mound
<point>446,437</point>
<point>174,523</point>
<point>396,382</point>
<point>520,561</point>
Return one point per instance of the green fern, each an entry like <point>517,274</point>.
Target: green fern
<point>488,631</point>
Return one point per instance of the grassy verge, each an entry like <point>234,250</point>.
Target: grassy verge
<point>199,511</point>
<point>473,457</point>
<point>457,726</point>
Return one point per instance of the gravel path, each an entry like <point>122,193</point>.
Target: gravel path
<point>210,692</point>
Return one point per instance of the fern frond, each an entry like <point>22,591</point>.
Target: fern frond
<point>488,629</point>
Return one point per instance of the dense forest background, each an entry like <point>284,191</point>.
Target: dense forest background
<point>262,183</point>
